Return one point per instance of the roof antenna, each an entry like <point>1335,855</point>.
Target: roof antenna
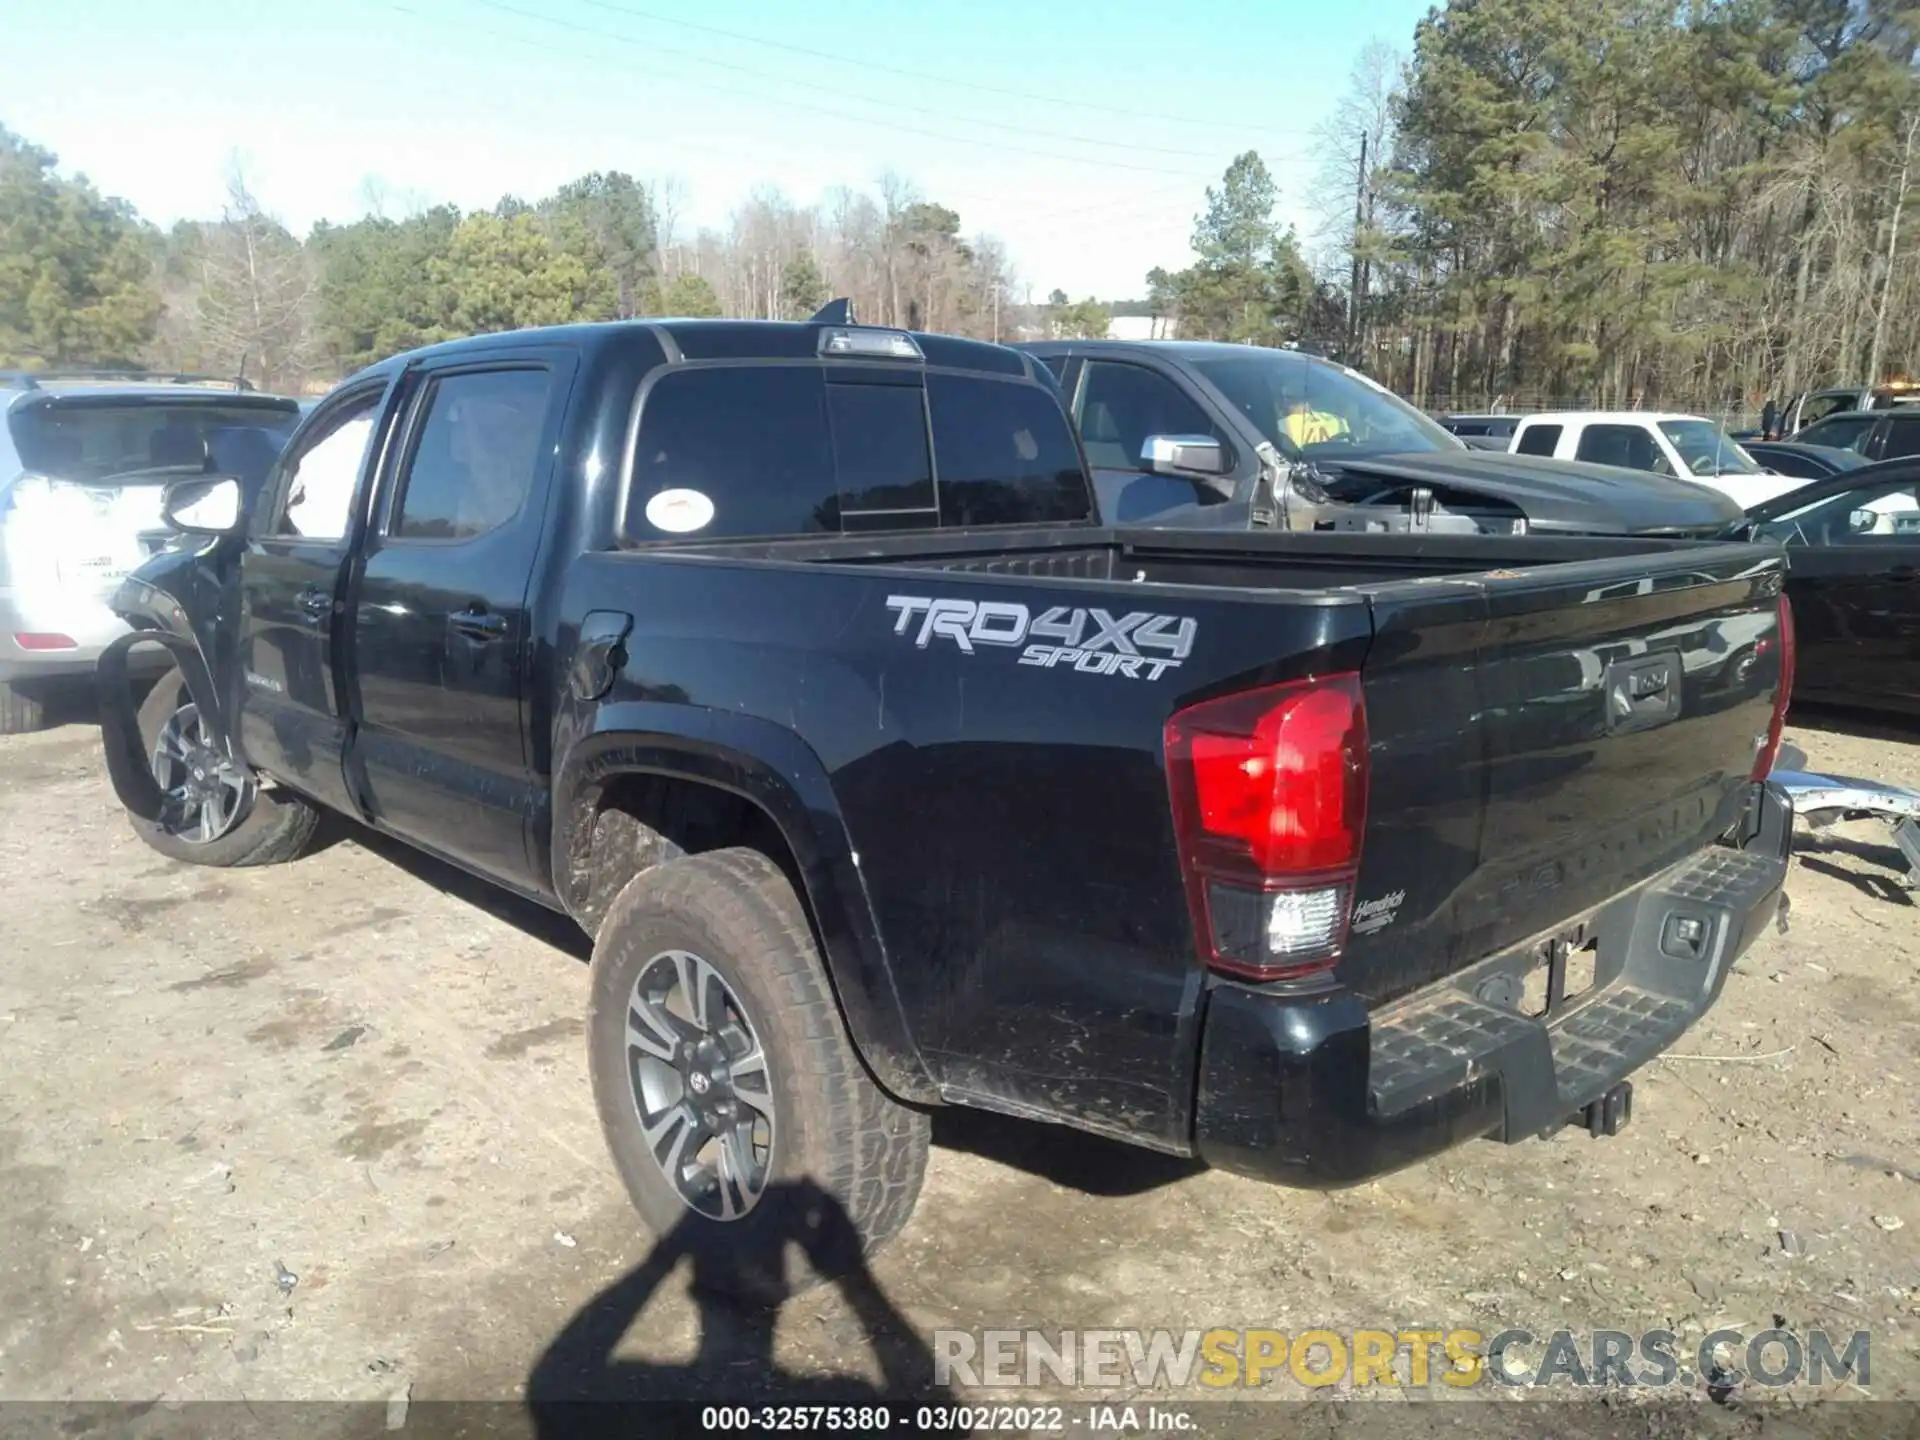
<point>835,312</point>
<point>240,375</point>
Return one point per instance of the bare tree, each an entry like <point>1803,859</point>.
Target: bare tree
<point>256,291</point>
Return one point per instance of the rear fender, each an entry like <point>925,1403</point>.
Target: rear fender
<point>776,770</point>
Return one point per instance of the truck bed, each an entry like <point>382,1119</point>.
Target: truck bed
<point>1011,818</point>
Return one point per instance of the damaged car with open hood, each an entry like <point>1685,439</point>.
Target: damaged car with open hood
<point>1215,436</point>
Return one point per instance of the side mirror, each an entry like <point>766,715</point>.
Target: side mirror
<point>1183,455</point>
<point>1861,522</point>
<point>209,505</point>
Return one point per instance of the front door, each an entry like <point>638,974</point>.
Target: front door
<point>1118,406</point>
<point>441,637</point>
<point>1854,578</point>
<point>292,717</point>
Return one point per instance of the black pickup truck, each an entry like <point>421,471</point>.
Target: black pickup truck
<point>788,660</point>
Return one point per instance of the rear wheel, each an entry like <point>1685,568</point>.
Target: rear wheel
<point>216,812</point>
<point>21,711</point>
<point>739,1115</point>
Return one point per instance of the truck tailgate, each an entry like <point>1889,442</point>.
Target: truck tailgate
<point>1544,739</point>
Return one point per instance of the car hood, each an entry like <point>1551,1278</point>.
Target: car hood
<point>1560,494</point>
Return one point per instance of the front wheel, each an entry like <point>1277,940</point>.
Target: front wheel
<point>216,812</point>
<point>738,1114</point>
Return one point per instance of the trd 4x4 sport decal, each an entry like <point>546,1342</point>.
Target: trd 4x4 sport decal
<point>1139,645</point>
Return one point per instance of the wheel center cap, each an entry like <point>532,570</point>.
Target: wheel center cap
<point>699,1083</point>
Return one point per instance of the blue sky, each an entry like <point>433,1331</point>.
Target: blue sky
<point>467,100</point>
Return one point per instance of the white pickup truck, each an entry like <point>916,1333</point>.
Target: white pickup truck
<point>1689,447</point>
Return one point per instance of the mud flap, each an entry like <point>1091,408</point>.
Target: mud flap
<point>128,765</point>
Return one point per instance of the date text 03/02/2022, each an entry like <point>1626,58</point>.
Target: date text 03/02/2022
<point>949,1419</point>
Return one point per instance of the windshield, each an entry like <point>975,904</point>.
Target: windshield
<point>1705,449</point>
<point>95,442</point>
<point>1320,411</point>
<point>1841,432</point>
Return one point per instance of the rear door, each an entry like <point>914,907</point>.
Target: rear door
<point>440,638</point>
<point>293,718</point>
<point>1547,738</point>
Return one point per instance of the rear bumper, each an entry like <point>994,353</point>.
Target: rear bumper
<point>86,620</point>
<point>1318,1092</point>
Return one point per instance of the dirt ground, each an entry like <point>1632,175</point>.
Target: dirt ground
<point>324,1132</point>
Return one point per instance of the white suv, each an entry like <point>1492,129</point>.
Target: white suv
<point>1687,447</point>
<point>83,461</point>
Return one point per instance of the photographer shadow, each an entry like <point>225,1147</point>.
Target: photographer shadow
<point>739,1281</point>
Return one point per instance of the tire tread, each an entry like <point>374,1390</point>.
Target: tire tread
<point>876,1157</point>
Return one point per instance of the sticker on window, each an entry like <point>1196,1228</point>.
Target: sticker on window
<point>679,512</point>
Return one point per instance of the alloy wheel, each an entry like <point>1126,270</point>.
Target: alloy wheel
<point>700,1084</point>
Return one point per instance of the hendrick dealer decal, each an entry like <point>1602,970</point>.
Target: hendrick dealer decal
<point>1138,645</point>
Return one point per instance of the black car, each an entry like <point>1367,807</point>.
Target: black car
<point>1872,434</point>
<point>1803,462</point>
<point>792,662</point>
<point>1194,434</point>
<point>1853,557</point>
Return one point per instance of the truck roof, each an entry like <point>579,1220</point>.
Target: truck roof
<point>733,340</point>
<point>1613,417</point>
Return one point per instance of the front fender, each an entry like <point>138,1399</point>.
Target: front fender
<point>776,770</point>
<point>128,765</point>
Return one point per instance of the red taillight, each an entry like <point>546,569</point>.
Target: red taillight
<point>1770,747</point>
<point>44,641</point>
<point>1269,791</point>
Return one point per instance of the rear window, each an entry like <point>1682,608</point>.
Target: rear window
<point>761,451</point>
<point>94,442</point>
<point>1539,440</point>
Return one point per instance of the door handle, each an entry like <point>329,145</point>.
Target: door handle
<point>478,624</point>
<point>315,604</point>
<point>1903,572</point>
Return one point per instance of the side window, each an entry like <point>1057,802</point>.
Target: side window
<point>1864,515</point>
<point>1818,406</point>
<point>1627,446</point>
<point>320,480</point>
<point>1902,437</point>
<point>880,454</point>
<point>1121,405</point>
<point>1538,440</point>
<point>733,452</point>
<point>474,455</point>
<point>1004,453</point>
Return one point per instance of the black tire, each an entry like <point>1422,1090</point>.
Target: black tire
<point>21,711</point>
<point>846,1160</point>
<point>274,826</point>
